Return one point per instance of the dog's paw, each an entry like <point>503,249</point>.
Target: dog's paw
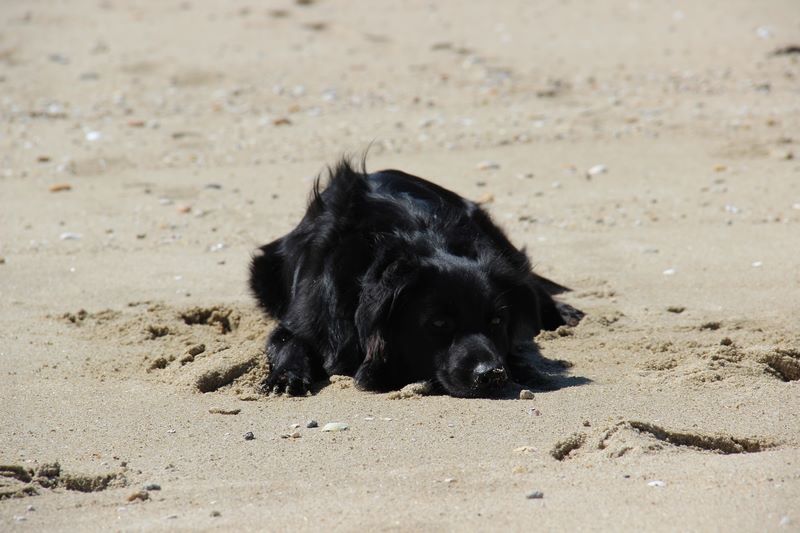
<point>286,382</point>
<point>570,315</point>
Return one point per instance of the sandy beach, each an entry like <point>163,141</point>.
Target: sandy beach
<point>646,154</point>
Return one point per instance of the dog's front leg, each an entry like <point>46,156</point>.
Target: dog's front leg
<point>290,364</point>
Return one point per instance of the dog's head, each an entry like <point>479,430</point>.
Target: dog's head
<point>445,318</point>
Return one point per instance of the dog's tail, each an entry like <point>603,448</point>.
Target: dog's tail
<point>345,186</point>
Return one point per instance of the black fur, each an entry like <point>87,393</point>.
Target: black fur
<point>393,279</point>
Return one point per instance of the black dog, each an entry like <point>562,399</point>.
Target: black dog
<point>393,279</point>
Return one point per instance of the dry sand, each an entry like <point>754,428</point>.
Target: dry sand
<point>148,147</point>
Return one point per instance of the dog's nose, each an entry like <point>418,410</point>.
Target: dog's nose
<point>486,375</point>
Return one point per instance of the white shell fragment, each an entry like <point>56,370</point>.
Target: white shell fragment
<point>488,165</point>
<point>335,426</point>
<point>525,449</point>
<point>596,171</point>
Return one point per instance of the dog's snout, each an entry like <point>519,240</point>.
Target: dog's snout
<point>487,375</point>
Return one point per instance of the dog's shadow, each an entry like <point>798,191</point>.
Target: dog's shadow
<point>551,375</point>
<point>554,372</point>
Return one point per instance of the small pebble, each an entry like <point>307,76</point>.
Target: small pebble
<point>526,394</point>
<point>726,341</point>
<point>93,136</point>
<point>295,426</point>
<point>669,272</point>
<point>312,424</point>
<point>215,514</point>
<point>152,486</point>
<point>656,483</point>
<point>485,198</point>
<point>535,495</point>
<point>183,208</point>
<point>30,508</point>
<point>756,264</point>
<point>19,518</point>
<point>786,155</point>
<point>677,309</point>
<point>249,436</point>
<point>60,187</point>
<point>139,495</point>
<point>335,426</point>
<point>70,236</point>
<point>58,58</point>
<point>449,480</point>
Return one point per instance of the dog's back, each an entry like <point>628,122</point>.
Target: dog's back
<point>360,207</point>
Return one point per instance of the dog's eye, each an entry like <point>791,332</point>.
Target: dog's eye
<point>441,324</point>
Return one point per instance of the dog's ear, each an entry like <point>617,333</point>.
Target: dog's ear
<point>533,310</point>
<point>382,285</point>
<point>532,307</point>
<point>526,321</point>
